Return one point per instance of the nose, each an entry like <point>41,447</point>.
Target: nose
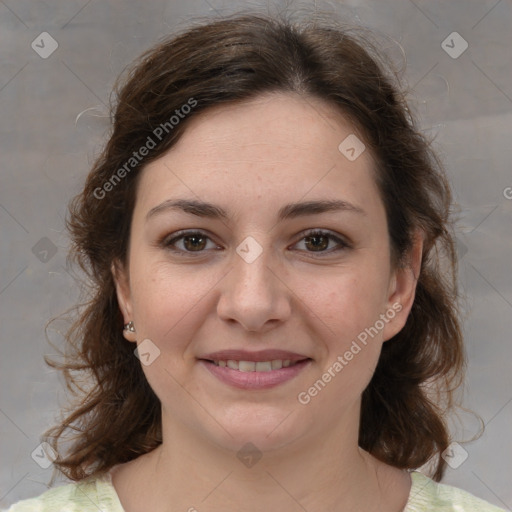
<point>254,293</point>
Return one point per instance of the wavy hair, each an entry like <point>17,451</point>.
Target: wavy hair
<point>115,416</point>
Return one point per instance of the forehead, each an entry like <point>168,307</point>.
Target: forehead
<point>273,148</point>
<point>288,125</point>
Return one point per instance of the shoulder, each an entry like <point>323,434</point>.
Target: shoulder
<point>91,494</point>
<point>428,495</point>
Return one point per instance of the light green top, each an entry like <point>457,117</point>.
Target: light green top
<point>98,494</point>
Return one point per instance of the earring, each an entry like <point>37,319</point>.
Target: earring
<point>129,327</point>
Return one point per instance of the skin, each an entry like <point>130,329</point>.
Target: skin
<point>251,159</point>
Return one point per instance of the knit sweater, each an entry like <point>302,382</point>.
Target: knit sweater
<point>98,494</point>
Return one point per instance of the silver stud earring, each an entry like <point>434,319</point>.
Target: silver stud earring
<point>129,327</point>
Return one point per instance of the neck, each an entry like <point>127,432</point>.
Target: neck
<point>317,473</point>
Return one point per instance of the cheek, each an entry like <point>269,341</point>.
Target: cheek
<point>162,297</point>
<point>167,301</point>
<point>170,306</point>
<point>346,323</point>
<point>345,302</point>
<point>348,326</point>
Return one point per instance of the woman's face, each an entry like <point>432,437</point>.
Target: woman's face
<point>256,280</point>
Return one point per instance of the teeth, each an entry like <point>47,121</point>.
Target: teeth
<point>253,366</point>
<point>264,366</point>
<point>277,364</point>
<point>247,366</point>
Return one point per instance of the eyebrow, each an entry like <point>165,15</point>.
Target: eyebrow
<point>289,211</point>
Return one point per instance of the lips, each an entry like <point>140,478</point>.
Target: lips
<point>254,370</point>
<point>260,356</point>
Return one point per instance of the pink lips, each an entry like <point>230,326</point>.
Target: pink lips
<point>255,380</point>
<point>261,355</point>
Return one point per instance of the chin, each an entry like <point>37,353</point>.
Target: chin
<point>264,427</point>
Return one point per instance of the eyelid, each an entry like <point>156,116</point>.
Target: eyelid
<point>166,241</point>
<point>342,242</point>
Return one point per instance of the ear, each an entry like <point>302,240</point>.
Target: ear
<point>402,288</point>
<point>122,283</point>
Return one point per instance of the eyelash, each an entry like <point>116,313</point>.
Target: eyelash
<point>168,242</point>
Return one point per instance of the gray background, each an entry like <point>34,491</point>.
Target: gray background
<point>46,152</point>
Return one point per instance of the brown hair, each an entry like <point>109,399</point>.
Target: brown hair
<point>117,417</point>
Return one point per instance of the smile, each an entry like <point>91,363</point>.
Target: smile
<point>256,366</point>
<point>255,375</point>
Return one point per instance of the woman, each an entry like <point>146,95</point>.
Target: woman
<point>273,321</point>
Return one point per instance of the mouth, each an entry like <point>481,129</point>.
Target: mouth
<point>255,374</point>
<point>255,366</point>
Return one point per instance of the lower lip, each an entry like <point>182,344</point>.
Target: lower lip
<point>254,380</point>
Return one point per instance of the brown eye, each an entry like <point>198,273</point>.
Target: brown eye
<point>318,241</point>
<point>194,242</point>
<point>191,242</point>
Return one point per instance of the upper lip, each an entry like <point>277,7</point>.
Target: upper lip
<point>262,355</point>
